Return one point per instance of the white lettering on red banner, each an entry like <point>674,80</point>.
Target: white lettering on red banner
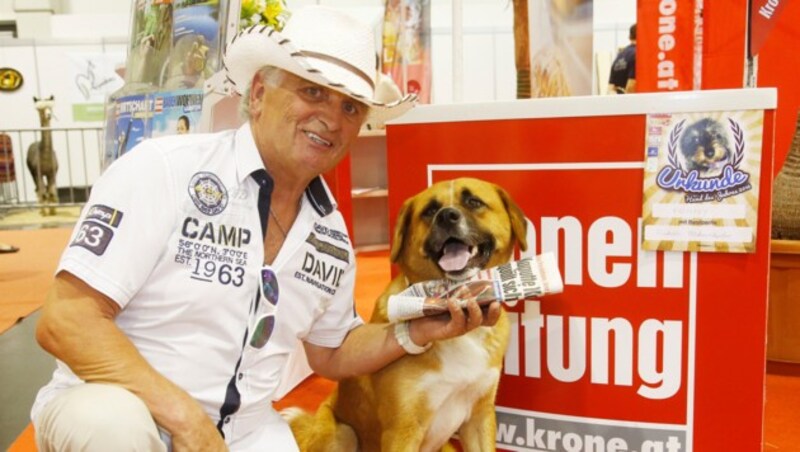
<point>768,8</point>
<point>611,251</point>
<point>666,43</point>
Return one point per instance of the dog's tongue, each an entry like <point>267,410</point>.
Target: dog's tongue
<point>455,257</point>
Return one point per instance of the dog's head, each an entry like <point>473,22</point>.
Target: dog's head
<point>705,147</point>
<point>455,228</point>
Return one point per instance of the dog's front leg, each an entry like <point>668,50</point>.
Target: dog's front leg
<point>479,432</point>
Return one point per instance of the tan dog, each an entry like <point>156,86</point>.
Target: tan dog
<point>451,230</point>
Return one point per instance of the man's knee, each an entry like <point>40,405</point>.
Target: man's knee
<point>95,417</point>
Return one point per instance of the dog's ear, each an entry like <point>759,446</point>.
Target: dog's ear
<point>403,222</point>
<point>519,226</point>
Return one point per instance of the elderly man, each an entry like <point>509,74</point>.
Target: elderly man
<point>200,260</point>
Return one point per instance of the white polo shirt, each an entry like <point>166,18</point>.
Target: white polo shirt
<point>172,234</point>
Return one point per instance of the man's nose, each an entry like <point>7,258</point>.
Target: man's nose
<point>332,111</point>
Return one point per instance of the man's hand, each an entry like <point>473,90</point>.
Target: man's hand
<point>77,326</point>
<point>457,323</point>
<point>202,436</point>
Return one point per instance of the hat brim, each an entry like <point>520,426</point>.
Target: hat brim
<point>260,46</point>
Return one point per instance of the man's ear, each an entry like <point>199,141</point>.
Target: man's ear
<point>256,93</point>
<point>519,226</point>
<point>400,228</point>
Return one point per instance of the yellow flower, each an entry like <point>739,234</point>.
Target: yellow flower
<point>273,10</point>
<point>263,12</point>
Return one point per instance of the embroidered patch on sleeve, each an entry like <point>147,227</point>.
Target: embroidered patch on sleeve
<point>104,214</point>
<point>93,236</point>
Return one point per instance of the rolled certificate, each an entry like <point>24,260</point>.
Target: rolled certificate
<point>531,277</point>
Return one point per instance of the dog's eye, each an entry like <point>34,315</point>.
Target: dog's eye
<point>430,210</point>
<point>474,203</point>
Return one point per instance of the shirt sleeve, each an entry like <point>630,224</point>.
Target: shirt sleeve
<point>124,226</point>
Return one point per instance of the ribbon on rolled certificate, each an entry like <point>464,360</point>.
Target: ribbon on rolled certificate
<point>531,277</point>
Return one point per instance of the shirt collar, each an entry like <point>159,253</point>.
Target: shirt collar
<point>248,160</point>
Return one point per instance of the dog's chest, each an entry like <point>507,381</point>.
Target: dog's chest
<point>464,377</point>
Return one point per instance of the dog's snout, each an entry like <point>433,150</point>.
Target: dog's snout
<point>448,216</point>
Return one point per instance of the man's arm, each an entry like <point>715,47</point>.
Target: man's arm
<point>77,326</point>
<point>372,346</point>
<point>630,87</point>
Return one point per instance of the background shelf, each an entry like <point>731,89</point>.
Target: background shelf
<point>368,192</point>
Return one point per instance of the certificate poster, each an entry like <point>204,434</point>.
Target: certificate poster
<point>701,181</point>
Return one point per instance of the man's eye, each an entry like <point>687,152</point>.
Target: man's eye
<point>351,108</point>
<point>314,92</point>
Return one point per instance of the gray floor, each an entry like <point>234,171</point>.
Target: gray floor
<point>25,368</point>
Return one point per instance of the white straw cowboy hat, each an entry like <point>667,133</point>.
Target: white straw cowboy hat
<point>320,44</point>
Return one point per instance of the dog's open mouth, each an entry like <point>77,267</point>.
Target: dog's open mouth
<point>457,258</point>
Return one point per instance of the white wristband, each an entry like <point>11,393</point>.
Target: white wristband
<point>403,337</point>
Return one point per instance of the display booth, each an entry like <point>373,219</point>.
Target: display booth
<point>644,350</point>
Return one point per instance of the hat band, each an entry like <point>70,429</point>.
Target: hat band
<point>342,63</point>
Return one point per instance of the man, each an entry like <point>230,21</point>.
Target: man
<point>623,70</point>
<point>201,260</point>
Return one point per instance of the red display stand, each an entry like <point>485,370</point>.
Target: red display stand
<point>684,367</point>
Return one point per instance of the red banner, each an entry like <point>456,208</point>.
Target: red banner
<point>665,45</point>
<point>646,351</point>
<point>763,15</point>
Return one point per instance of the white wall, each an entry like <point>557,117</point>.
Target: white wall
<point>6,9</point>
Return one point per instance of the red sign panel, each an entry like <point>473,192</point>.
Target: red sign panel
<point>665,45</point>
<point>643,351</point>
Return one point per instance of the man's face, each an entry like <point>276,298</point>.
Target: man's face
<point>308,128</point>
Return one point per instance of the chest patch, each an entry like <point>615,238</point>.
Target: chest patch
<point>208,193</point>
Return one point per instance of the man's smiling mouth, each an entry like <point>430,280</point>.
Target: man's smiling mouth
<point>317,139</point>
